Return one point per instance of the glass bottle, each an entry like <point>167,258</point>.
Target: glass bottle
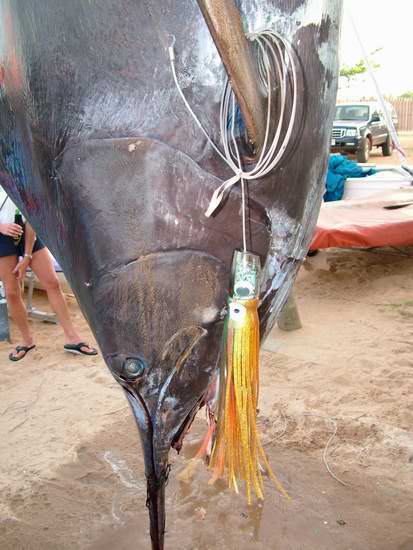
<point>18,218</point>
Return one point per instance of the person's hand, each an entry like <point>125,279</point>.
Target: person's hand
<point>11,229</point>
<point>21,267</point>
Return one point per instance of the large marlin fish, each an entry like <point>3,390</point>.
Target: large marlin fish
<point>102,156</point>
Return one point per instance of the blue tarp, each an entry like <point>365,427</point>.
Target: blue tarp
<point>339,169</point>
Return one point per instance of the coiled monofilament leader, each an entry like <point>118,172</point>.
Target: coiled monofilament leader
<point>274,54</point>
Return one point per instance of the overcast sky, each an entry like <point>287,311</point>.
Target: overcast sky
<point>386,24</point>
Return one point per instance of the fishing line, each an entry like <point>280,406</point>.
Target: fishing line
<point>325,452</point>
<point>404,169</point>
<point>274,55</point>
<point>327,446</point>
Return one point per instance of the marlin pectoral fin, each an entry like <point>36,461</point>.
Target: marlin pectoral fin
<point>225,24</point>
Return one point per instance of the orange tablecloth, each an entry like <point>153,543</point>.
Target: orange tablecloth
<point>366,223</point>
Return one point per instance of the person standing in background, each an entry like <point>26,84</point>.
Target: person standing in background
<point>19,249</point>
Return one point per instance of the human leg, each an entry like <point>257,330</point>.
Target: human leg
<point>42,265</point>
<point>15,302</point>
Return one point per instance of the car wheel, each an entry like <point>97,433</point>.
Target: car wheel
<point>387,147</point>
<point>363,153</point>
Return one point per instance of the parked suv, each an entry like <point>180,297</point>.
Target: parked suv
<point>358,127</point>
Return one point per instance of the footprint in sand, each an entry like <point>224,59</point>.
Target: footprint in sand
<point>98,375</point>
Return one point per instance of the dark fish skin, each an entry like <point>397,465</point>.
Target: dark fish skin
<point>100,154</point>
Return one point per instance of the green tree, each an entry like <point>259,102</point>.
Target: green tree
<point>353,71</point>
<point>407,95</point>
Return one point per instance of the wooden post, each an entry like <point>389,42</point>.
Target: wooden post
<point>289,317</point>
<point>4,317</point>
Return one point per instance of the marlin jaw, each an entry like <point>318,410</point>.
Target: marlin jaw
<point>164,401</point>
<point>156,464</point>
<point>156,471</point>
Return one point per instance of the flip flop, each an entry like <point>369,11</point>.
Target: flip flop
<point>77,349</point>
<point>19,349</point>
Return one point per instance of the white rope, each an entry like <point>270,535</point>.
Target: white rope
<point>273,52</point>
<point>389,122</point>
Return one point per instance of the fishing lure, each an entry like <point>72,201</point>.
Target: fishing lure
<point>237,451</point>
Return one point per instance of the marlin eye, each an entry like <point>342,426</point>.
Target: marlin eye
<point>133,368</point>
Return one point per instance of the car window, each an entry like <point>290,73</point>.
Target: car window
<point>352,112</point>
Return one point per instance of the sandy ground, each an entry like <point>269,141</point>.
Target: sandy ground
<point>71,468</point>
<point>376,155</point>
